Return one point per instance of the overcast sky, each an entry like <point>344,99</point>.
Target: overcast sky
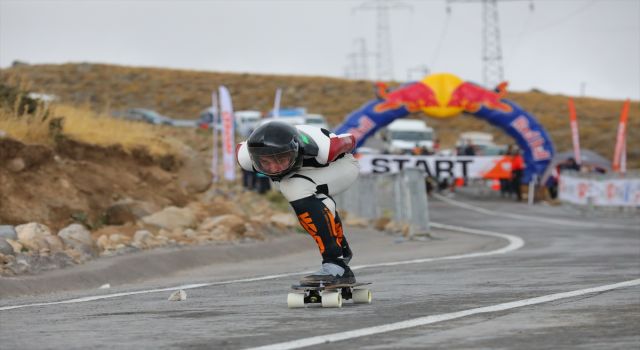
<point>559,47</point>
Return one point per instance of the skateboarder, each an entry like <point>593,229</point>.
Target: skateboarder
<point>311,164</point>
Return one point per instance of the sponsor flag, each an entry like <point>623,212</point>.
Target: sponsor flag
<point>575,136</point>
<point>228,142</point>
<point>276,103</point>
<point>621,139</point>
<point>214,127</point>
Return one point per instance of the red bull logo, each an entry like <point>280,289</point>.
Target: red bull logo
<point>414,97</point>
<point>472,97</point>
<point>441,95</point>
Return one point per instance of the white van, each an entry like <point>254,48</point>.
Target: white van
<point>247,121</point>
<point>316,120</point>
<point>403,135</point>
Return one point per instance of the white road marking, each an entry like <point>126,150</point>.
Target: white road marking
<point>531,218</point>
<point>514,244</point>
<point>426,320</point>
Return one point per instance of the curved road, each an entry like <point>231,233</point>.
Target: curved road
<point>574,283</point>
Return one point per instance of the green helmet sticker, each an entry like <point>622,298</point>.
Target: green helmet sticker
<point>304,138</point>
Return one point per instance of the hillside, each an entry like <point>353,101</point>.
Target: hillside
<point>183,94</point>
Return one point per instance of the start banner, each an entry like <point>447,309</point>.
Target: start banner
<point>479,167</point>
<point>599,192</point>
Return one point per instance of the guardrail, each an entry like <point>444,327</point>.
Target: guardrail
<point>401,197</point>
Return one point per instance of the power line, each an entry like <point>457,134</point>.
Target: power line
<point>384,57</point>
<point>492,68</point>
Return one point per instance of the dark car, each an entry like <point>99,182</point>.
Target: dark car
<point>145,115</point>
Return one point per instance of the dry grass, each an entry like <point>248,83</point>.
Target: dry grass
<point>28,128</point>
<point>84,125</point>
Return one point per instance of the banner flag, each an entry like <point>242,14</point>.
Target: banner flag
<point>621,139</point>
<point>214,128</point>
<point>228,142</point>
<point>276,103</point>
<point>575,136</point>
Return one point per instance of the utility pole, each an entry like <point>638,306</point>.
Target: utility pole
<point>492,70</point>
<point>384,57</point>
<point>422,71</point>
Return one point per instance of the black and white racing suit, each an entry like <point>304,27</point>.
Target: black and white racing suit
<point>328,168</point>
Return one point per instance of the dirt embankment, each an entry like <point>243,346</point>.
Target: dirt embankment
<point>73,181</point>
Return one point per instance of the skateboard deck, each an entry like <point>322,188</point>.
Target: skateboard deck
<point>328,296</point>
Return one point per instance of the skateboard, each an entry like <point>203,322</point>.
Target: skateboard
<point>328,296</point>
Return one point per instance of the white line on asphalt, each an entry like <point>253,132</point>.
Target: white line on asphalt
<point>426,320</point>
<point>531,218</point>
<point>514,244</point>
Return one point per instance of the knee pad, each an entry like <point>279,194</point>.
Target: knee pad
<point>319,221</point>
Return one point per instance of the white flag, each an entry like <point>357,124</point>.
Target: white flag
<point>228,142</point>
<point>276,103</point>
<point>214,127</point>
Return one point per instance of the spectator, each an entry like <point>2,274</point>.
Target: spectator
<point>469,150</point>
<point>517,170</point>
<point>570,164</point>
<point>505,183</point>
<point>417,150</point>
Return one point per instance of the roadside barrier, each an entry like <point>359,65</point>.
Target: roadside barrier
<point>613,192</point>
<point>401,197</point>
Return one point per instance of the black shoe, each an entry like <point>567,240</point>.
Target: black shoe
<point>347,277</point>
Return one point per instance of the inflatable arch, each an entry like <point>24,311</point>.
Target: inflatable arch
<point>445,95</point>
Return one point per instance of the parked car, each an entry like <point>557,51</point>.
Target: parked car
<point>184,123</point>
<point>144,115</point>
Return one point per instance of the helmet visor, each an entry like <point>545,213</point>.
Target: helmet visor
<point>274,164</point>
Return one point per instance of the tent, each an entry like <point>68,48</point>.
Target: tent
<point>588,158</point>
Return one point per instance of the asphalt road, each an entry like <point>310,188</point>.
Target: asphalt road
<point>470,292</point>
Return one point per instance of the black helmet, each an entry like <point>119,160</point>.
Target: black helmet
<point>275,149</point>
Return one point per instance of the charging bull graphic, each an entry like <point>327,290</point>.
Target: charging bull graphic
<point>445,96</point>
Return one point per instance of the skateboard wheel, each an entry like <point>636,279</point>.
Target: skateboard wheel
<point>361,296</point>
<point>331,299</point>
<point>295,300</point>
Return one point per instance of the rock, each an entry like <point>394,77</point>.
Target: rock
<point>193,177</point>
<point>31,235</point>
<point>8,231</point>
<point>103,242</point>
<point>284,220</point>
<point>189,233</point>
<point>178,295</point>
<point>380,223</point>
<point>16,165</point>
<point>17,246</point>
<point>6,259</point>
<point>5,247</point>
<point>171,218</point>
<point>233,222</point>
<point>129,210</point>
<point>144,239</point>
<point>79,238</point>
<point>251,232</point>
<point>20,265</point>
<point>55,244</point>
<point>353,220</point>
<point>117,239</point>
<point>105,286</point>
